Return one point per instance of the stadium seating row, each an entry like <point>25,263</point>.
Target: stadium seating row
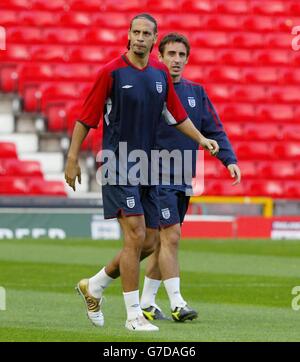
<point>260,187</point>
<point>24,177</point>
<point>97,35</point>
<point>31,186</point>
<point>270,7</point>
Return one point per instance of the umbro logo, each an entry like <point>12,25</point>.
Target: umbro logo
<point>127,86</point>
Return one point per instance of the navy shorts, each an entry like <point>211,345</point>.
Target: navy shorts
<point>173,206</point>
<point>131,201</point>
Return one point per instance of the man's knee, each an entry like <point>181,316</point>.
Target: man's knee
<point>171,238</point>
<point>136,235</point>
<point>151,242</point>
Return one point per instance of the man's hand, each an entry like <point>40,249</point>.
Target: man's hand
<point>235,172</point>
<point>210,145</point>
<point>72,170</point>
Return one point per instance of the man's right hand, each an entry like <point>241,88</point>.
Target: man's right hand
<point>72,170</point>
<point>210,145</point>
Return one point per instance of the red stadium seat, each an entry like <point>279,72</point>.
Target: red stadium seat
<point>291,132</point>
<point>235,130</point>
<point>287,94</point>
<point>15,53</point>
<point>233,6</point>
<point>211,169</point>
<point>105,36</point>
<point>125,5</point>
<point>280,40</point>
<point>49,53</point>
<point>15,4</point>
<point>267,188</point>
<point>269,57</point>
<point>270,7</point>
<point>194,73</point>
<point>224,188</point>
<point>62,36</point>
<point>53,5</point>
<point>184,22</point>
<point>291,189</point>
<point>38,18</point>
<point>202,7</point>
<point>46,188</point>
<point>262,132</point>
<point>112,20</point>
<point>228,74</point>
<point>8,150</point>
<point>9,78</point>
<point>249,169</point>
<point>278,170</point>
<point>238,112</point>
<point>223,22</point>
<point>203,56</point>
<point>86,5</point>
<point>287,150</point>
<point>88,54</point>
<point>218,92</point>
<point>166,6</point>
<point>249,93</point>
<point>258,23</point>
<point>252,151</point>
<point>248,40</point>
<point>13,186</point>
<point>56,117</point>
<point>275,112</point>
<point>15,167</point>
<point>24,35</point>
<point>8,17</point>
<point>263,75</point>
<point>236,56</point>
<point>76,19</point>
<point>212,39</point>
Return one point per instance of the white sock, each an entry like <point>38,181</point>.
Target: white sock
<point>172,286</point>
<point>98,283</point>
<point>149,292</point>
<point>132,304</point>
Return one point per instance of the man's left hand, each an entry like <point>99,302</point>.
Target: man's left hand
<point>235,172</point>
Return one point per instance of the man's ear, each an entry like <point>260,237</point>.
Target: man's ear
<point>187,60</point>
<point>160,58</point>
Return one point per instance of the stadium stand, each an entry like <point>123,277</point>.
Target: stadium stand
<point>241,53</point>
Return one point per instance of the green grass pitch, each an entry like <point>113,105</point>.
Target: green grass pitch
<point>241,288</point>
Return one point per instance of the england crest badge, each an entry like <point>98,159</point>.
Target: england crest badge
<point>130,202</point>
<point>159,87</point>
<point>192,102</point>
<point>166,213</point>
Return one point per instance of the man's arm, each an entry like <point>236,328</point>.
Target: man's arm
<point>187,127</point>
<point>72,168</point>
<point>89,118</point>
<point>213,128</point>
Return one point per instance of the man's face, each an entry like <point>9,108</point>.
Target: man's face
<point>142,36</point>
<point>175,58</point>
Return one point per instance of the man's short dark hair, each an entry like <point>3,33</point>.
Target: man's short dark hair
<point>174,38</point>
<point>143,16</point>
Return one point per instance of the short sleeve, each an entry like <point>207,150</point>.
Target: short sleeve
<point>93,105</point>
<point>173,112</point>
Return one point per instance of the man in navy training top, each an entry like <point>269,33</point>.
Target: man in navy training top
<point>163,264</point>
<point>132,91</point>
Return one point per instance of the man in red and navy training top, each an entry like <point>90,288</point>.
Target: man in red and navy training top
<point>163,264</point>
<point>131,92</point>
